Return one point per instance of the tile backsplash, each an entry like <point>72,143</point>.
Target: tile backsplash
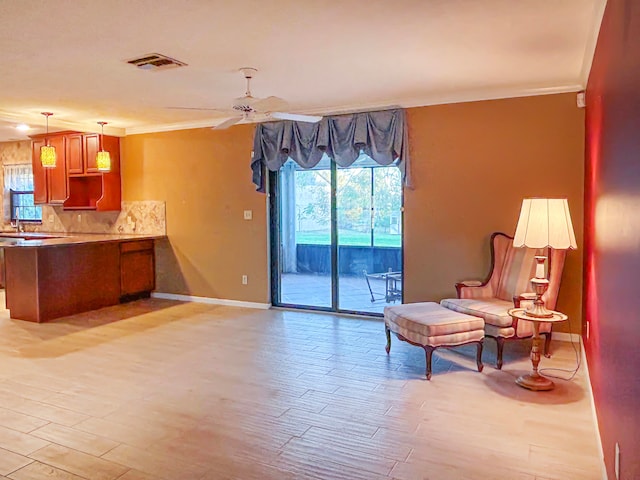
<point>142,217</point>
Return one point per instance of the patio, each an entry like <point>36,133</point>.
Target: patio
<point>315,290</point>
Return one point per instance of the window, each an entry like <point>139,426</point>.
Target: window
<point>18,194</point>
<point>22,206</point>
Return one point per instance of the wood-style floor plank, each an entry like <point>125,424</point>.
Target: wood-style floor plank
<point>41,471</point>
<point>78,463</point>
<point>10,461</point>
<point>163,390</point>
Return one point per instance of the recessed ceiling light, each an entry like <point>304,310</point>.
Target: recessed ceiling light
<point>23,127</point>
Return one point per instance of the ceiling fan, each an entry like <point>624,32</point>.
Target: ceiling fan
<point>246,107</point>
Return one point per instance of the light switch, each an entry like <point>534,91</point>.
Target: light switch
<point>248,214</point>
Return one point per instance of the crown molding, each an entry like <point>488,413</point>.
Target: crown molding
<point>458,97</point>
<point>169,127</point>
<point>592,41</point>
<point>56,124</point>
<point>38,122</point>
<point>435,99</point>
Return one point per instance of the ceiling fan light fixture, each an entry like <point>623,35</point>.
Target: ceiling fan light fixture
<point>48,155</point>
<point>250,109</point>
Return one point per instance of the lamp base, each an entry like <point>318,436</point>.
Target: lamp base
<point>540,284</point>
<point>538,310</point>
<point>535,381</point>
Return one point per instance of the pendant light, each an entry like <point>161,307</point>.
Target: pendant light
<point>47,152</point>
<point>103,159</point>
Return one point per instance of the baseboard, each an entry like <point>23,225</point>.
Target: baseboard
<point>593,412</point>
<point>566,337</point>
<point>211,301</point>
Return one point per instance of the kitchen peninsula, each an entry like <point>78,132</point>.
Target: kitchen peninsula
<point>48,277</point>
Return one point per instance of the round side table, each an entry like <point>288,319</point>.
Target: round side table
<point>533,380</point>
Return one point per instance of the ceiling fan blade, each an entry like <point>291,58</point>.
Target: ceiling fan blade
<point>270,104</point>
<point>296,117</point>
<point>195,108</point>
<point>227,123</point>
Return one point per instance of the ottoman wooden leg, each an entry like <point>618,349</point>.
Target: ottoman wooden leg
<point>479,356</point>
<point>388,332</point>
<point>428,353</point>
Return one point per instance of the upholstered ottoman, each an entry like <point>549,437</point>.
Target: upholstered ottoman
<point>430,326</point>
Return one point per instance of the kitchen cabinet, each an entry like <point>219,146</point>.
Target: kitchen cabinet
<point>76,182</point>
<point>137,269</point>
<point>90,189</point>
<point>82,150</point>
<point>50,185</point>
<point>55,278</point>
<point>73,153</point>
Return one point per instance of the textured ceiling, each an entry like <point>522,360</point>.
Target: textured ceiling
<point>69,56</point>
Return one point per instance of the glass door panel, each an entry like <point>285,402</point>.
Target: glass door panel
<point>305,236</point>
<point>368,209</point>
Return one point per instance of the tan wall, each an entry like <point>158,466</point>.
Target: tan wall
<point>204,177</point>
<point>472,165</point>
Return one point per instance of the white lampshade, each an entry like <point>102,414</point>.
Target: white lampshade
<point>545,222</point>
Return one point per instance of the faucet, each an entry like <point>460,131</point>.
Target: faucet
<point>17,225</point>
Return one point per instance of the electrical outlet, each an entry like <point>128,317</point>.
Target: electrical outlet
<point>588,324</point>
<point>248,214</point>
<point>617,460</point>
<point>79,218</point>
<point>245,280</point>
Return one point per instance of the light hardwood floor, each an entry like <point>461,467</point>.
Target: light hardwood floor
<point>157,389</point>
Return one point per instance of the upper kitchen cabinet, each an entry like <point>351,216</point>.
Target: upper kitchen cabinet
<point>50,185</point>
<point>82,150</point>
<point>86,188</point>
<point>89,188</point>
<point>74,154</point>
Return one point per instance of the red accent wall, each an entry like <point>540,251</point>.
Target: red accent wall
<point>612,234</point>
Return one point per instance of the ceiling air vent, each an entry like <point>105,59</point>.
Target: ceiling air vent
<point>155,61</point>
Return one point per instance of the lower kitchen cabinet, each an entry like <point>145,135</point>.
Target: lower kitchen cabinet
<point>137,269</point>
<point>55,279</point>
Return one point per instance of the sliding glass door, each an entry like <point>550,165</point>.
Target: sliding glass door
<point>337,236</point>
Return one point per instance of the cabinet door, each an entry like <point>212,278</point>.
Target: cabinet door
<point>137,274</point>
<point>57,182</point>
<point>91,147</point>
<point>74,154</point>
<point>39,174</point>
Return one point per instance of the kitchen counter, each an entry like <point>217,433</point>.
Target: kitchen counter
<point>49,276</point>
<point>40,239</point>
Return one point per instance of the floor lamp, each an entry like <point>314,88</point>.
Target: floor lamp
<point>543,223</point>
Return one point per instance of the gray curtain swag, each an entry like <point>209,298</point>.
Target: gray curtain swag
<point>381,135</point>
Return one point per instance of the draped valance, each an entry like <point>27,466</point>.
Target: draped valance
<point>380,135</point>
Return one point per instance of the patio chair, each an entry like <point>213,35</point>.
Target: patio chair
<point>393,285</point>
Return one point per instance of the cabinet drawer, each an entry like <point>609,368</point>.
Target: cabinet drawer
<point>136,246</point>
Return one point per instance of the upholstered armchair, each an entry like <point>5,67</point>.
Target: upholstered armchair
<point>511,271</point>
